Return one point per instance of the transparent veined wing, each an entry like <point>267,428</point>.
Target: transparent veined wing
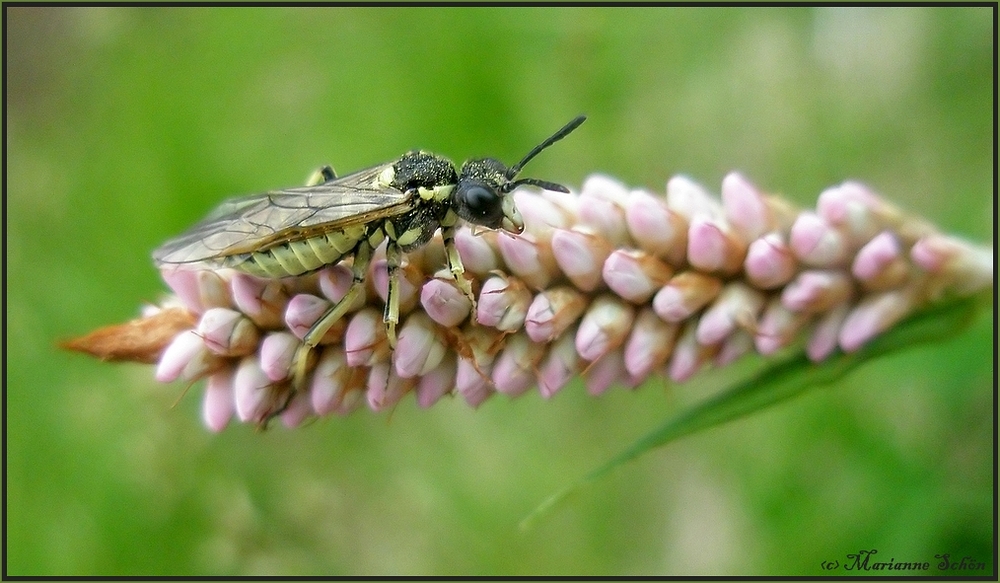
<point>257,222</point>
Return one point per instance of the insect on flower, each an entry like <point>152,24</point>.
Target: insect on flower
<point>289,232</point>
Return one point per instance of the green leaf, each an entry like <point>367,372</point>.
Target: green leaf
<point>781,381</point>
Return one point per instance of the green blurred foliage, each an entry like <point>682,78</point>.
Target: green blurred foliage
<point>125,125</point>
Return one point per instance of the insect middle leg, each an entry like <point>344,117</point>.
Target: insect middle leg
<point>390,317</point>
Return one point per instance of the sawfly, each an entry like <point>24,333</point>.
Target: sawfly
<point>289,232</point>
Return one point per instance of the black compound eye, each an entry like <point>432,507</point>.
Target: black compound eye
<point>482,205</point>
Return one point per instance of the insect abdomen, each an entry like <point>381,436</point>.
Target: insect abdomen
<point>298,257</point>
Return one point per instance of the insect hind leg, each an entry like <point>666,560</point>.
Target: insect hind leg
<point>312,338</point>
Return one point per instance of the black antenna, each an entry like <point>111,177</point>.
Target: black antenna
<point>566,129</point>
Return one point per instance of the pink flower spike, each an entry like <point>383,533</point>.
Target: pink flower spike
<point>635,275</point>
<point>880,263</point>
<point>649,345</point>
<point>437,383</point>
<point>817,290</point>
<point>277,354</point>
<point>444,302</point>
<point>817,244</point>
<point>419,349</point>
<point>685,293</point>
<point>688,198</point>
<point>769,262</point>
<point>552,311</point>
<point>580,256</point>
<point>228,333</point>
<point>530,258</point>
<point>478,256</point>
<point>744,207</point>
<point>604,373</point>
<point>217,404</point>
<point>558,367</point>
<point>823,340</point>
<point>737,306</point>
<point>385,389</point>
<point>872,316</point>
<point>603,328</point>
<point>713,247</point>
<point>606,283</point>
<point>365,339</point>
<point>503,303</point>
<point>261,300</point>
<point>252,392</point>
<point>185,358</point>
<point>655,227</point>
<point>513,370</point>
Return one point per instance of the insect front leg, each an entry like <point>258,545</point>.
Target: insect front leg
<point>362,257</point>
<point>455,264</point>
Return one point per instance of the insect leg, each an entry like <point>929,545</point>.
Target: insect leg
<point>393,257</point>
<point>362,257</point>
<point>324,174</point>
<point>455,264</point>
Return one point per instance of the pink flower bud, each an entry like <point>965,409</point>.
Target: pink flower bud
<point>769,262</point>
<point>277,355</point>
<point>558,367</point>
<point>444,302</point>
<point>262,300</point>
<point>744,207</point>
<point>552,312</point>
<point>635,275</point>
<point>656,228</point>
<point>503,304</point>
<point>218,404</point>
<point>420,348</point>
<point>530,258</point>
<point>817,244</point>
<point>228,332</point>
<point>580,256</point>
<point>603,328</point>
<point>685,293</point>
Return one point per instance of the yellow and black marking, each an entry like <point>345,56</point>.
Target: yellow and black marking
<point>289,232</point>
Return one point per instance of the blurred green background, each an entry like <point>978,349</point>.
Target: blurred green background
<point>126,125</point>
